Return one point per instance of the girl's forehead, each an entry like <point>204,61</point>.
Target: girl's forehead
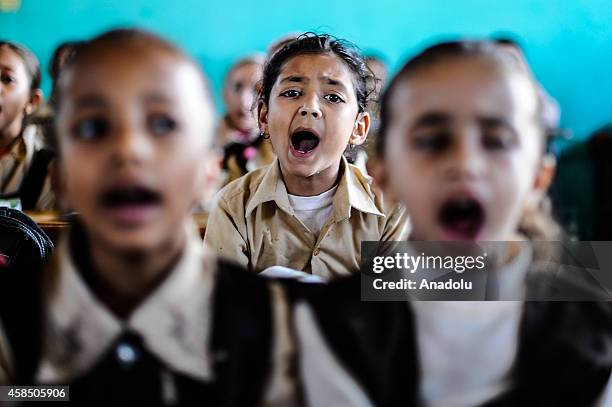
<point>122,68</point>
<point>320,66</point>
<point>246,70</point>
<point>466,86</point>
<point>9,59</point>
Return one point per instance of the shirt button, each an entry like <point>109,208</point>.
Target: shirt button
<point>316,252</point>
<point>126,354</point>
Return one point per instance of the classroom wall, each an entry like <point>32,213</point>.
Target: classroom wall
<point>568,42</point>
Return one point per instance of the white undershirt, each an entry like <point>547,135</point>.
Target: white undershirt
<point>466,350</point>
<point>313,211</point>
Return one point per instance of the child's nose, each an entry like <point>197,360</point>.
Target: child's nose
<point>312,109</point>
<point>465,162</point>
<point>131,146</point>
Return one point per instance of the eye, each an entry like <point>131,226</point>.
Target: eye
<point>161,124</point>
<point>238,87</point>
<point>7,79</point>
<point>90,129</point>
<point>291,93</point>
<point>497,141</point>
<point>433,142</point>
<point>333,98</point>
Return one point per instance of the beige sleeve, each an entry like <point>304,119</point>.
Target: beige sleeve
<point>397,226</point>
<point>226,233</point>
<point>5,366</point>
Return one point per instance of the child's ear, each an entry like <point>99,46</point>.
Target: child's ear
<point>35,101</point>
<point>262,116</point>
<point>360,129</point>
<point>543,179</point>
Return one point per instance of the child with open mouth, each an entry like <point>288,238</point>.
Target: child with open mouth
<point>21,141</point>
<point>309,210</point>
<point>131,309</point>
<point>463,145</point>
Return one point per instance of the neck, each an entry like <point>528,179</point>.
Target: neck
<point>313,185</point>
<point>123,280</point>
<point>9,134</point>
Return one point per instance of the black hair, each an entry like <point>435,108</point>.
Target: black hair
<point>312,43</point>
<point>126,37</point>
<point>30,62</point>
<point>438,53</point>
<point>62,56</point>
<point>507,38</point>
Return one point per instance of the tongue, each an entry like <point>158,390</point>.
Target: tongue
<point>306,144</point>
<point>463,227</point>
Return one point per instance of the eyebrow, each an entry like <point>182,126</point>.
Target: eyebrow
<point>7,68</point>
<point>442,119</point>
<point>432,119</point>
<point>495,122</point>
<point>302,79</point>
<point>334,82</point>
<point>294,78</point>
<point>155,97</point>
<point>90,101</point>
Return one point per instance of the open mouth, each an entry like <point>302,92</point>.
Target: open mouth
<point>462,218</point>
<point>131,205</point>
<point>303,142</point>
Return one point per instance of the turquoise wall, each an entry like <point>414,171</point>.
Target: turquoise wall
<point>568,42</point>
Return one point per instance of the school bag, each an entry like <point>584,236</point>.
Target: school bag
<point>24,246</point>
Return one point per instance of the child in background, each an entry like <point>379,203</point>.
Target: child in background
<point>463,146</point>
<point>239,125</point>
<point>135,311</point>
<point>244,148</point>
<point>62,55</point>
<point>310,209</point>
<point>379,69</point>
<point>19,141</point>
<point>361,155</point>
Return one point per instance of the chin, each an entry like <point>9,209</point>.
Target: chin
<point>301,170</point>
<point>133,242</point>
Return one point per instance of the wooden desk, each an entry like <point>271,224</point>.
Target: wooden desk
<point>53,225</point>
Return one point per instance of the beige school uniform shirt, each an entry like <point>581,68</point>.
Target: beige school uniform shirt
<point>16,162</point>
<point>253,223</point>
<point>174,322</point>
